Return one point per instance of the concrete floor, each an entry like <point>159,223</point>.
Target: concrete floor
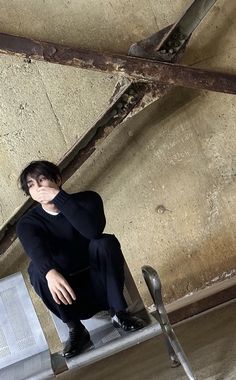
<point>209,342</point>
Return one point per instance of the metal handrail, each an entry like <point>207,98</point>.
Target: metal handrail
<point>175,350</point>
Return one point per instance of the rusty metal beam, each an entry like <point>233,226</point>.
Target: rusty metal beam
<point>134,68</point>
<point>128,101</point>
<point>169,44</point>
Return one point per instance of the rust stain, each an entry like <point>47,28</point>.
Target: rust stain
<point>132,67</point>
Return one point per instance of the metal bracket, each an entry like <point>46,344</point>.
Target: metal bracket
<point>165,44</point>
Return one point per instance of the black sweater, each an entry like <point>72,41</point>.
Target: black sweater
<point>61,241</point>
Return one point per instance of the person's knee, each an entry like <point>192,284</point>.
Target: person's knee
<point>106,246</point>
<point>110,243</point>
<point>106,242</point>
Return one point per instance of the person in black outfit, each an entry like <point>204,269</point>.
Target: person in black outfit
<point>75,268</point>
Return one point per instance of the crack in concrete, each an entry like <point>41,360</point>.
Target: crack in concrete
<point>53,111</point>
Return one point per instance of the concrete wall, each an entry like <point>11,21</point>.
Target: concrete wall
<point>167,176</point>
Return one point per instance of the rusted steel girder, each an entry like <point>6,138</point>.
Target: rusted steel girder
<point>129,100</point>
<point>134,68</point>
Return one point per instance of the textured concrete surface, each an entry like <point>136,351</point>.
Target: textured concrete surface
<point>44,109</point>
<point>209,342</point>
<point>169,190</point>
<point>168,175</point>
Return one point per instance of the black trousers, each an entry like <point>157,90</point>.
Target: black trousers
<point>98,288</point>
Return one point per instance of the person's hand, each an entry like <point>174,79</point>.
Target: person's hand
<point>45,194</point>
<point>59,288</point>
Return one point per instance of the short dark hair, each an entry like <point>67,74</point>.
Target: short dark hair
<point>37,168</point>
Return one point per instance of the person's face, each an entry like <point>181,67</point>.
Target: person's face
<point>35,183</point>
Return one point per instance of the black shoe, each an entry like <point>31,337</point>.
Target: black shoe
<point>78,341</point>
<point>127,322</point>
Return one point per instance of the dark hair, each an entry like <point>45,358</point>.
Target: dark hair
<point>37,168</point>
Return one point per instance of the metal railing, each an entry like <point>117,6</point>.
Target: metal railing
<point>176,353</point>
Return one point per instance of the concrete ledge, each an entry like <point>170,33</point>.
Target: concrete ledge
<point>202,300</point>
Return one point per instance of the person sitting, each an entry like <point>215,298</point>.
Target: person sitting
<point>76,268</point>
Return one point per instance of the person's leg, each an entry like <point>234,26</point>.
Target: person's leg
<point>79,338</point>
<point>107,276</point>
<point>107,272</point>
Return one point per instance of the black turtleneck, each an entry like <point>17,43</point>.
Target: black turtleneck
<point>61,241</point>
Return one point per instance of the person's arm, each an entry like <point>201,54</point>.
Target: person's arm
<point>84,211</point>
<point>35,245</point>
<point>34,242</point>
<point>60,289</point>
